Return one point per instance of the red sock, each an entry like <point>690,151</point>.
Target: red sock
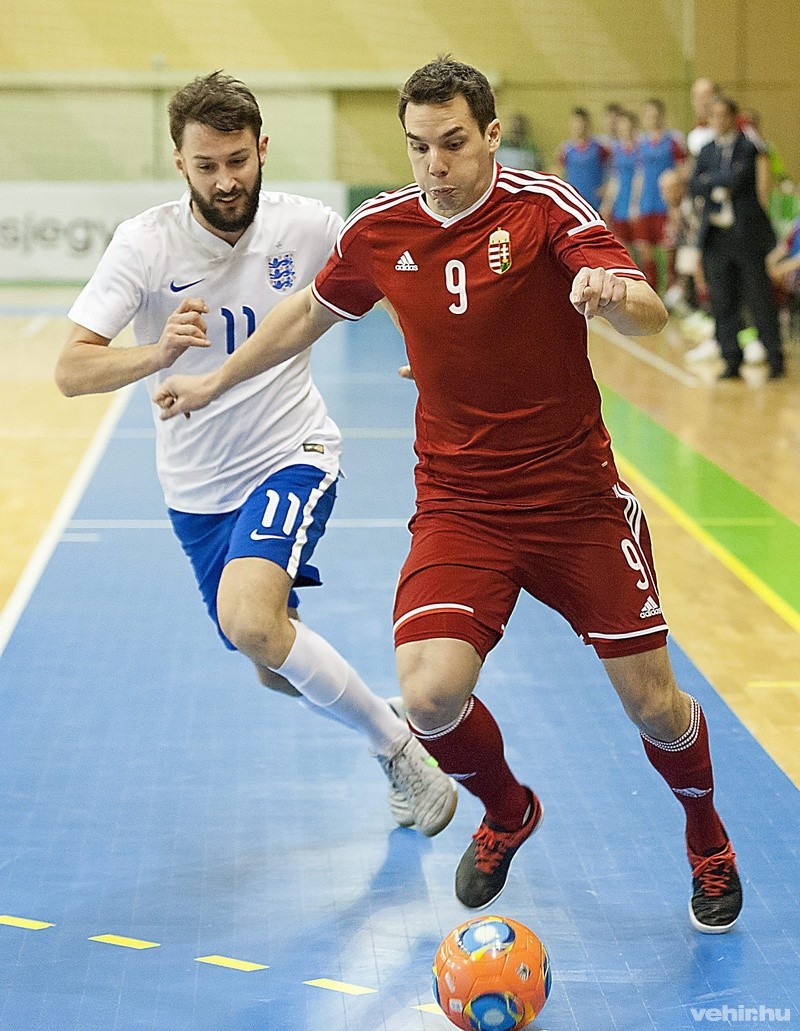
<point>685,765</point>
<point>471,751</point>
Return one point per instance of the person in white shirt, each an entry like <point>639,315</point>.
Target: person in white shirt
<point>251,480</point>
<point>704,93</point>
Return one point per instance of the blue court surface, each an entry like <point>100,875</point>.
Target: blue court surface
<point>228,847</point>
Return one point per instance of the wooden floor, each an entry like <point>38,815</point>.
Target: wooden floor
<point>744,641</point>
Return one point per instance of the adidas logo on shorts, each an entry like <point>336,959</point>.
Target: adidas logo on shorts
<point>650,608</point>
<point>405,263</point>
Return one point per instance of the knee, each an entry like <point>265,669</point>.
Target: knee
<point>435,687</point>
<point>659,710</point>
<point>264,637</point>
<point>430,703</point>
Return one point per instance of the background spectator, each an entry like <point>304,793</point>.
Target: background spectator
<point>583,160</point>
<point>704,92</point>
<point>735,235</point>
<point>659,149</point>
<point>517,149</point>
<point>611,114</point>
<point>616,207</point>
<point>783,263</point>
<point>680,244</point>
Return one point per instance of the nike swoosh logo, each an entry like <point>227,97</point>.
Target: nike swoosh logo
<point>184,286</point>
<point>256,536</point>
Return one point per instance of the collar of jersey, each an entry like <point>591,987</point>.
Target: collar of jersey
<point>209,241</point>
<point>446,222</point>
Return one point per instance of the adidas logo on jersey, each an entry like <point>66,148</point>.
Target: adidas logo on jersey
<point>692,792</point>
<point>650,608</point>
<point>405,263</point>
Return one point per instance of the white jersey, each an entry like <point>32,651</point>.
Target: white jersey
<point>698,138</point>
<point>212,461</point>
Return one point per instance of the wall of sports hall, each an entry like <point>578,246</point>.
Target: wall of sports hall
<point>83,83</point>
<point>84,86</point>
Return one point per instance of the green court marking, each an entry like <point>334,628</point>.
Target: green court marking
<point>760,537</point>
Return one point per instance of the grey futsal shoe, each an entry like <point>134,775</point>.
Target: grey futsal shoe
<point>716,900</point>
<point>482,872</point>
<point>398,803</point>
<point>430,795</point>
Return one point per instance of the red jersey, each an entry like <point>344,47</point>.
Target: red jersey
<point>508,408</point>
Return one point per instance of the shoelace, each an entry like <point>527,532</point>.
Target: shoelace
<point>713,872</point>
<point>414,783</point>
<point>490,847</point>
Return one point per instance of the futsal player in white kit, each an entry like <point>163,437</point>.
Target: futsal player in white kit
<point>251,480</point>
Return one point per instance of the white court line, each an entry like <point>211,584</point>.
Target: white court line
<point>119,524</point>
<point>348,432</point>
<point>369,524</point>
<point>378,433</point>
<point>32,573</point>
<point>626,344</point>
<point>351,432</point>
<point>165,524</point>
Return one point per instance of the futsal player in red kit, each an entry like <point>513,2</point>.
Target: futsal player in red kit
<point>493,274</point>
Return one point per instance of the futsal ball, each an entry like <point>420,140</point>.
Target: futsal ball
<point>491,974</point>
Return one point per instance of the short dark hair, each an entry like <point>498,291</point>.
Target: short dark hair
<point>581,112</point>
<point>729,102</point>
<point>216,100</point>
<point>658,104</point>
<point>442,80</point>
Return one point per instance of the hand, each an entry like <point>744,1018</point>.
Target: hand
<point>185,328</point>
<point>184,394</point>
<point>405,372</point>
<point>595,291</point>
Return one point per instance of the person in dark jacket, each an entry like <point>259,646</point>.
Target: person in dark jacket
<point>735,237</point>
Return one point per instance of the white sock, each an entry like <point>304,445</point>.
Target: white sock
<point>331,685</point>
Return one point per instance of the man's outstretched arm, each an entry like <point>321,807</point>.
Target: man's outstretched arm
<point>291,327</point>
<point>630,305</point>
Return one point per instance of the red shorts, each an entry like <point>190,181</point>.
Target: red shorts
<point>590,560</point>
<point>650,229</point>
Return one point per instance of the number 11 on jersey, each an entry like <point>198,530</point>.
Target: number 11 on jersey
<point>230,326</point>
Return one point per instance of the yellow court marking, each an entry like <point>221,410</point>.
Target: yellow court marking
<point>773,683</point>
<point>340,986</point>
<point>430,1007</point>
<point>19,921</point>
<point>234,964</point>
<point>126,943</point>
<point>739,569</point>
